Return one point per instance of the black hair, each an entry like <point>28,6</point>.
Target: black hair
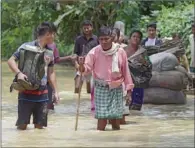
<point>43,28</point>
<point>51,25</point>
<point>87,22</point>
<point>105,31</point>
<point>116,31</point>
<point>136,31</point>
<point>152,25</point>
<point>193,25</point>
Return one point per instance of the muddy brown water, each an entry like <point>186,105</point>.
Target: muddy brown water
<point>154,126</point>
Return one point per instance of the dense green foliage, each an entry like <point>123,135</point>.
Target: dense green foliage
<point>20,17</point>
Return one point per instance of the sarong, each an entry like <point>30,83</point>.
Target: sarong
<point>125,106</point>
<point>137,99</point>
<point>108,102</point>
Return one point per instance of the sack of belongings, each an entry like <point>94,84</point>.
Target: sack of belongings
<point>157,95</point>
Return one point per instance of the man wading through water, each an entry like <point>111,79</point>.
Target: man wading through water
<point>83,44</point>
<point>57,59</point>
<point>35,101</point>
<point>108,63</point>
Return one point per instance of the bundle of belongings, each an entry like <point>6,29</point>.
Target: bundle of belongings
<point>170,46</point>
<point>32,64</point>
<point>141,73</point>
<point>169,78</point>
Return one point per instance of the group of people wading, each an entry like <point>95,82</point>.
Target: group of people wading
<point>115,73</point>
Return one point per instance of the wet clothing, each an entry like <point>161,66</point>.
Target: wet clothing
<point>33,102</point>
<point>37,109</point>
<point>108,102</point>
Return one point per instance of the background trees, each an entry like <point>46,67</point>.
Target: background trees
<point>19,17</point>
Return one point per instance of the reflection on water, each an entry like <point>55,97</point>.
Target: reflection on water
<point>154,126</point>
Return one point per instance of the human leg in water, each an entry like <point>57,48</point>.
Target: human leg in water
<point>22,127</point>
<point>40,113</point>
<point>115,124</point>
<point>101,124</point>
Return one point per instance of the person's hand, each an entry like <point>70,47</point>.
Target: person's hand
<point>81,61</point>
<point>128,97</point>
<point>21,76</point>
<point>47,59</point>
<point>73,57</point>
<point>56,98</point>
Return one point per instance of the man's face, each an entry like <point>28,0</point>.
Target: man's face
<point>151,32</point>
<point>105,42</point>
<point>135,39</point>
<point>49,37</point>
<point>87,29</point>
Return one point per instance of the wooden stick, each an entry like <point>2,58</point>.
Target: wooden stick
<point>78,103</point>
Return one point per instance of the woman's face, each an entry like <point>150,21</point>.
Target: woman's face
<point>135,38</point>
<point>114,37</point>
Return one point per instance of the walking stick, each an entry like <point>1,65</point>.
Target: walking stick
<point>78,102</point>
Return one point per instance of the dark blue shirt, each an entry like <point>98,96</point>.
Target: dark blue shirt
<point>33,97</point>
<point>83,46</point>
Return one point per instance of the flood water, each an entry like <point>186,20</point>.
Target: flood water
<point>154,126</point>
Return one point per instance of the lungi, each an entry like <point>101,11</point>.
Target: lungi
<point>125,106</point>
<point>108,102</point>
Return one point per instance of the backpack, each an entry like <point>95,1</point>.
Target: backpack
<point>32,64</point>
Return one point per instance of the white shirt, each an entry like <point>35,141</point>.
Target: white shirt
<point>150,42</point>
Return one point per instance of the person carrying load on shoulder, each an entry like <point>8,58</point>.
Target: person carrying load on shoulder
<point>57,59</point>
<point>140,68</point>
<point>35,65</point>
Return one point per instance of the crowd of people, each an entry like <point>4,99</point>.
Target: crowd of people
<point>109,63</point>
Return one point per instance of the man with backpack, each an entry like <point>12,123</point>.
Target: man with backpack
<point>35,64</point>
<point>57,59</point>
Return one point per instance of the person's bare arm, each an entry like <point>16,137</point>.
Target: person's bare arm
<point>52,78</point>
<point>14,67</point>
<point>53,83</point>
<point>65,58</point>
